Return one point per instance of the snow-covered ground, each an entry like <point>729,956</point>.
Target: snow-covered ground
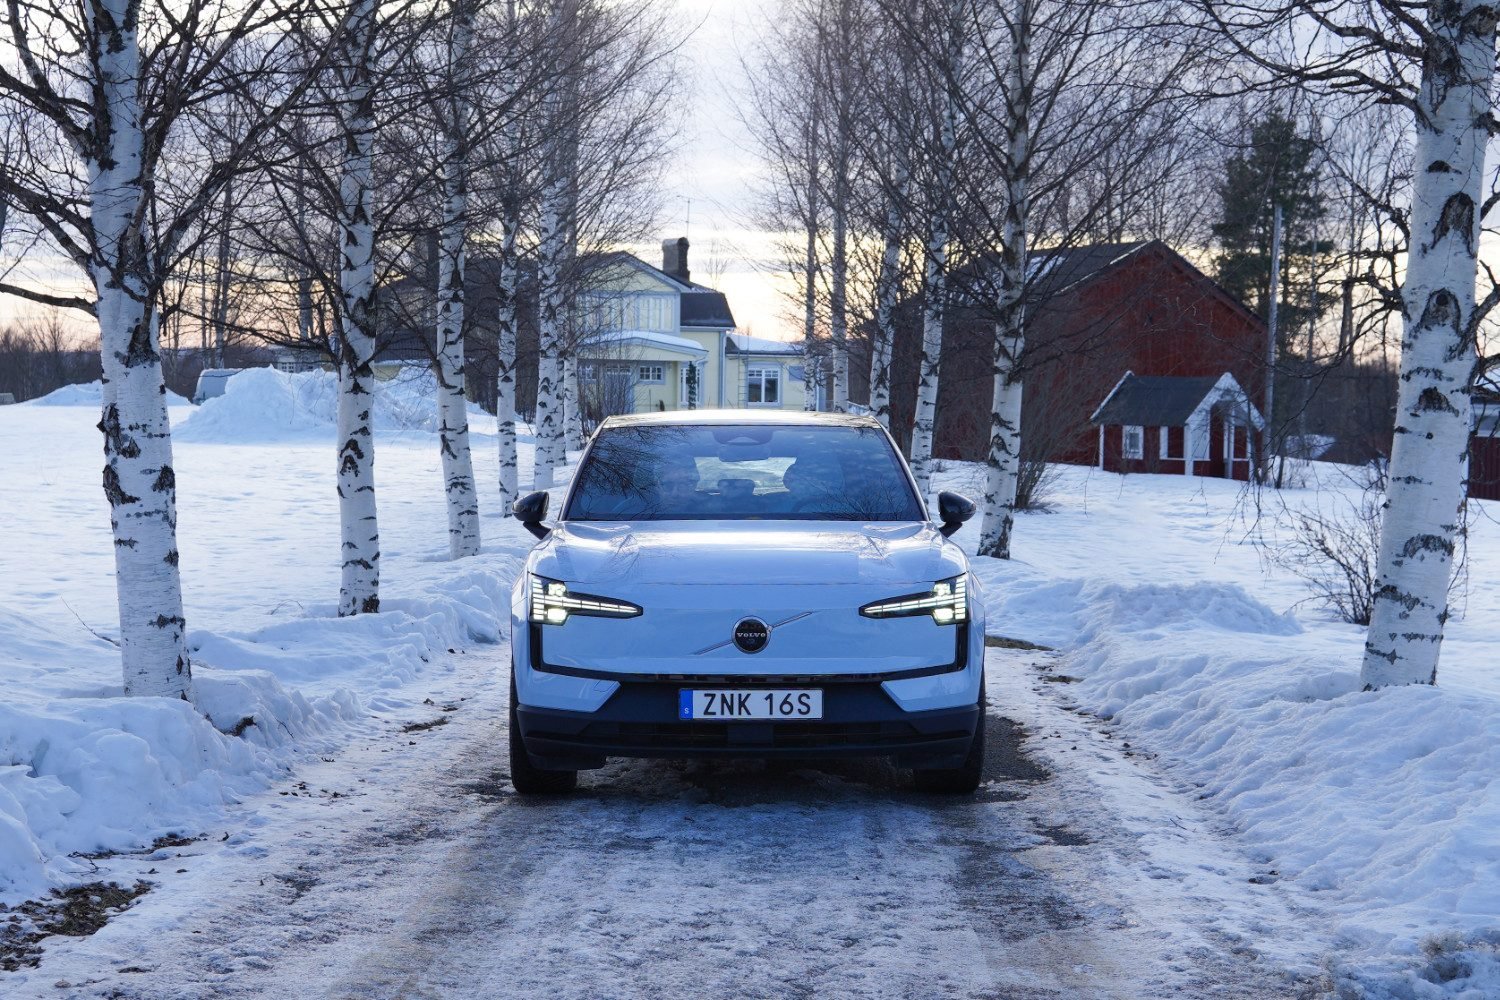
<point>1369,821</point>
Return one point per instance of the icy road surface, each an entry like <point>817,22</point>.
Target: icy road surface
<point>409,868</point>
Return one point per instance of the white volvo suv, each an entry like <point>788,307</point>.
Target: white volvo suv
<point>734,584</point>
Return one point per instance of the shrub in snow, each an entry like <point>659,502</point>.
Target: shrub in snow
<point>1335,552</point>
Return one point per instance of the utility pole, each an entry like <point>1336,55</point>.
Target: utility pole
<point>1271,344</point>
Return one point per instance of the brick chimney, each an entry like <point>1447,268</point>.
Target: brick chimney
<point>674,258</point>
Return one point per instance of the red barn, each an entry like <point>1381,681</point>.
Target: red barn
<point>1095,313</point>
<point>1484,449</point>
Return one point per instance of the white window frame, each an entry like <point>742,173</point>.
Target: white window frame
<point>1126,450</point>
<point>588,371</point>
<point>1166,445</point>
<point>651,374</point>
<point>758,372</point>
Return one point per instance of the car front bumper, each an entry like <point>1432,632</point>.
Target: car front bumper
<point>640,720</point>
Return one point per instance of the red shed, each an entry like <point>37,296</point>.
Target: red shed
<point>1484,451</point>
<point>1201,426</point>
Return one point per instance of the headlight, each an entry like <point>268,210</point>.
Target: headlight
<point>947,603</point>
<point>552,603</point>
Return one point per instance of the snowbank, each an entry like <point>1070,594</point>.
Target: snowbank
<point>263,404</point>
<point>98,772</point>
<point>88,394</point>
<point>1384,807</point>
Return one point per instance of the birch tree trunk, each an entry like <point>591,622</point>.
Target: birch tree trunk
<point>139,481</point>
<point>934,294</point>
<point>572,417</point>
<point>221,281</point>
<point>359,591</point>
<point>811,370</point>
<point>935,269</point>
<point>1438,361</point>
<point>548,423</point>
<point>1003,471</point>
<point>887,288</point>
<point>838,298</point>
<point>453,413</point>
<point>505,377</point>
<point>555,232</point>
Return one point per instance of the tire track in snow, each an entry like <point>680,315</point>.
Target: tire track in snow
<point>671,879</point>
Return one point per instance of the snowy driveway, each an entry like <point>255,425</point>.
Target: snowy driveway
<point>408,868</point>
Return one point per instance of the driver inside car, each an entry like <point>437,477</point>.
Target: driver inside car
<point>812,482</point>
<point>677,484</point>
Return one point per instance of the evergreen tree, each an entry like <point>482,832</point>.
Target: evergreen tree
<point>1277,167</point>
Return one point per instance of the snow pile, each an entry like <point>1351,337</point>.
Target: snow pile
<point>89,394</point>
<point>93,772</point>
<point>376,651</point>
<point>1386,804</point>
<point>261,404</point>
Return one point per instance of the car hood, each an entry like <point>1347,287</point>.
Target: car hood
<point>747,552</point>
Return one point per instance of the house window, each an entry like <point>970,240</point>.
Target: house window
<point>1135,442</point>
<point>651,373</point>
<point>1172,447</point>
<point>588,372</point>
<point>763,386</point>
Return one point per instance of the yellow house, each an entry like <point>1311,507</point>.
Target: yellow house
<point>653,339</point>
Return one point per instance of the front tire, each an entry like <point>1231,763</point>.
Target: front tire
<point>961,780</point>
<point>526,776</point>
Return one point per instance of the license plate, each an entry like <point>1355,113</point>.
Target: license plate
<point>699,705</point>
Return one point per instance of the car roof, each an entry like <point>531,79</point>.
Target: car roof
<point>694,418</point>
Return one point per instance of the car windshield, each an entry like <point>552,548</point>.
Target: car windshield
<point>742,472</point>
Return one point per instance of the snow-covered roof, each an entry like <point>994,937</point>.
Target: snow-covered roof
<point>743,343</point>
<point>647,339</point>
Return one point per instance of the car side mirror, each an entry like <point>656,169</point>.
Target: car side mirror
<point>531,510</point>
<point>953,510</point>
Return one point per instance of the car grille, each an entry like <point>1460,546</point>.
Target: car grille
<point>779,735</point>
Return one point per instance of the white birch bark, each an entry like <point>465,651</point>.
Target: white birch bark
<point>1003,464</point>
<point>505,378</point>
<point>838,298</point>
<point>507,313</point>
<point>555,235</point>
<point>572,416</point>
<point>139,481</point>
<point>453,412</point>
<point>359,590</point>
<point>811,371</point>
<point>934,294</point>
<point>1430,452</point>
<point>548,423</point>
<point>887,288</point>
<point>935,265</point>
<point>221,281</point>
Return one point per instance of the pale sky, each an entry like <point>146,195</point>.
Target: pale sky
<point>709,185</point>
<point>717,165</point>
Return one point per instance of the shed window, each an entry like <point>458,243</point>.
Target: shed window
<point>651,373</point>
<point>763,386</point>
<point>1172,443</point>
<point>1135,441</point>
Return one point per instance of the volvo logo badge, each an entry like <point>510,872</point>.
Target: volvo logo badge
<point>751,635</point>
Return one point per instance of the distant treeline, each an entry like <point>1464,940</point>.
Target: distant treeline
<point>37,357</point>
<point>42,355</point>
